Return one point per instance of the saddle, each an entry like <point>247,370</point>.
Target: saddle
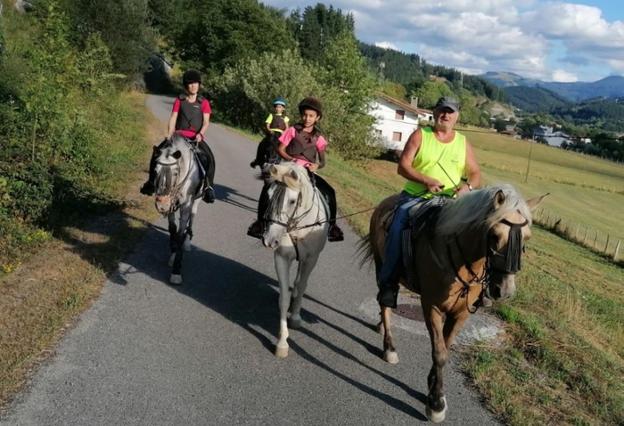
<point>423,218</point>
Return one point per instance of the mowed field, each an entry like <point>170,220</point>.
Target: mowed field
<point>562,358</point>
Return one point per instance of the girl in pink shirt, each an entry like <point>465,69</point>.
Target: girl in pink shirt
<point>304,144</point>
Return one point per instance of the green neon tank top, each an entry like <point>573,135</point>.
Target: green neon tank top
<point>445,162</point>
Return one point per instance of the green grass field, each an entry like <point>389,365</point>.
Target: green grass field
<point>562,360</point>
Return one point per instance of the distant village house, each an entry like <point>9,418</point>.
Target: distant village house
<point>396,120</point>
<point>554,138</point>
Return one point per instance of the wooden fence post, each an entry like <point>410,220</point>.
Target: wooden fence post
<point>606,244</point>
<point>617,249</point>
<point>595,239</point>
<point>576,234</point>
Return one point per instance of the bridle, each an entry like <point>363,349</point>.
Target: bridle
<point>511,261</point>
<point>174,190</point>
<point>292,223</point>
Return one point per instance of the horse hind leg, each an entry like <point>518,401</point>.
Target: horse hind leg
<point>389,350</point>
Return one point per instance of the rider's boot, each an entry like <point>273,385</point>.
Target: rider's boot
<point>209,194</point>
<point>148,187</point>
<point>256,229</point>
<point>335,233</point>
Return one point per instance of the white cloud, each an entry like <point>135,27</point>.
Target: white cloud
<point>563,76</point>
<point>482,35</point>
<point>386,45</point>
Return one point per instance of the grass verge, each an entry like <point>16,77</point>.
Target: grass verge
<point>60,275</point>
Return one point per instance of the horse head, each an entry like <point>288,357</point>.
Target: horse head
<point>290,194</point>
<point>509,228</point>
<point>171,167</point>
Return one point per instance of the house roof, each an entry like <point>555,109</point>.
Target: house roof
<point>404,105</point>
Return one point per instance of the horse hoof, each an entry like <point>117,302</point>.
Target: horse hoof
<point>281,352</point>
<point>175,279</point>
<point>295,323</point>
<point>171,259</point>
<point>187,245</point>
<point>391,357</point>
<point>437,416</point>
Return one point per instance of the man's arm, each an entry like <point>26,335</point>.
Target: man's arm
<point>473,172</point>
<point>406,170</point>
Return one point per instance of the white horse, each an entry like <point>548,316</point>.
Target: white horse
<point>178,189</point>
<point>297,230</point>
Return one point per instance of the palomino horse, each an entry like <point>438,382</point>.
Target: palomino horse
<point>297,230</point>
<point>474,244</point>
<point>178,189</point>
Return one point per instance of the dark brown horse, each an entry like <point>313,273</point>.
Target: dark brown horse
<point>474,245</point>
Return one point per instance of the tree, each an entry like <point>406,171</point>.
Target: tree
<point>432,90</point>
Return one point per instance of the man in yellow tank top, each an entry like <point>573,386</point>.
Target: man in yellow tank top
<point>436,161</point>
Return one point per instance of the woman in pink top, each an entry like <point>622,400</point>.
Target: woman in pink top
<point>190,118</point>
<point>304,144</point>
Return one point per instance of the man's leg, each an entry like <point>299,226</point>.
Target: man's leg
<point>149,187</point>
<point>208,162</point>
<point>335,233</point>
<point>387,275</point>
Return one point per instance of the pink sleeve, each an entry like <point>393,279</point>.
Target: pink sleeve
<point>321,144</point>
<point>287,136</point>
<point>176,105</point>
<point>205,107</point>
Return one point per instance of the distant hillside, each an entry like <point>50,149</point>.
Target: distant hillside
<point>606,114</point>
<point>535,99</point>
<point>411,69</point>
<point>608,87</point>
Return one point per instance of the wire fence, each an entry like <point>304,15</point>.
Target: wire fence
<point>602,243</point>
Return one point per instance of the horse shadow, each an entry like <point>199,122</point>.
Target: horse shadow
<point>249,298</point>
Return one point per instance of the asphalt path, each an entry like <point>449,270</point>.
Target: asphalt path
<point>147,353</point>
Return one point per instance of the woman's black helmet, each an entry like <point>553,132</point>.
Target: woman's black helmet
<point>191,76</point>
<point>311,103</point>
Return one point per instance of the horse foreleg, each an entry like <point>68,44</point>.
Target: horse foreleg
<point>299,287</point>
<point>452,326</point>
<point>390,355</point>
<point>282,267</point>
<point>173,230</point>
<point>436,401</point>
<point>189,228</point>
<point>176,270</point>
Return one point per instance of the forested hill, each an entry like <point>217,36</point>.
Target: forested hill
<point>535,99</point>
<point>412,71</point>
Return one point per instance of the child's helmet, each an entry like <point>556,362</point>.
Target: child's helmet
<point>311,103</point>
<point>280,101</point>
<point>191,76</point>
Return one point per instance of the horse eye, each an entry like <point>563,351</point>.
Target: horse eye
<point>291,202</point>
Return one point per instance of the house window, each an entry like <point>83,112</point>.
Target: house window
<point>399,114</point>
<point>396,136</point>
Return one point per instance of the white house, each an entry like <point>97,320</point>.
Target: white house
<point>396,119</point>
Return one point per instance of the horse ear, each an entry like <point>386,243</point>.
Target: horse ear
<point>536,201</point>
<point>177,155</point>
<point>499,198</point>
<point>293,175</point>
<point>273,171</point>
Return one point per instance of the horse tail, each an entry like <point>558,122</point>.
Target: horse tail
<point>364,250</point>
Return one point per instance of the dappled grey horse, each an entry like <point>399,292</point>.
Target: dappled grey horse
<point>178,189</point>
<point>297,217</point>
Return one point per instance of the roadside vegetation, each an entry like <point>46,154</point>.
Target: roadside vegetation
<point>73,137</point>
<point>562,358</point>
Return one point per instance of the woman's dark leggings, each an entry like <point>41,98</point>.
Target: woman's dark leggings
<point>325,188</point>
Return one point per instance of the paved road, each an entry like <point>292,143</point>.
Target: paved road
<point>151,354</point>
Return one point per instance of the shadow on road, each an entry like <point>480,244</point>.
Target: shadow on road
<point>249,299</point>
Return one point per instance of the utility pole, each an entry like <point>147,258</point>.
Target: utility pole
<point>526,175</point>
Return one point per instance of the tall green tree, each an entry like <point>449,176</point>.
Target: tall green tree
<point>317,27</point>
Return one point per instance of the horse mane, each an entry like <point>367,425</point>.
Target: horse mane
<point>475,209</point>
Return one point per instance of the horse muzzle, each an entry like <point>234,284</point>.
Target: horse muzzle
<point>163,204</point>
<point>502,286</point>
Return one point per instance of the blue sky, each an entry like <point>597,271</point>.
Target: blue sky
<point>549,40</point>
